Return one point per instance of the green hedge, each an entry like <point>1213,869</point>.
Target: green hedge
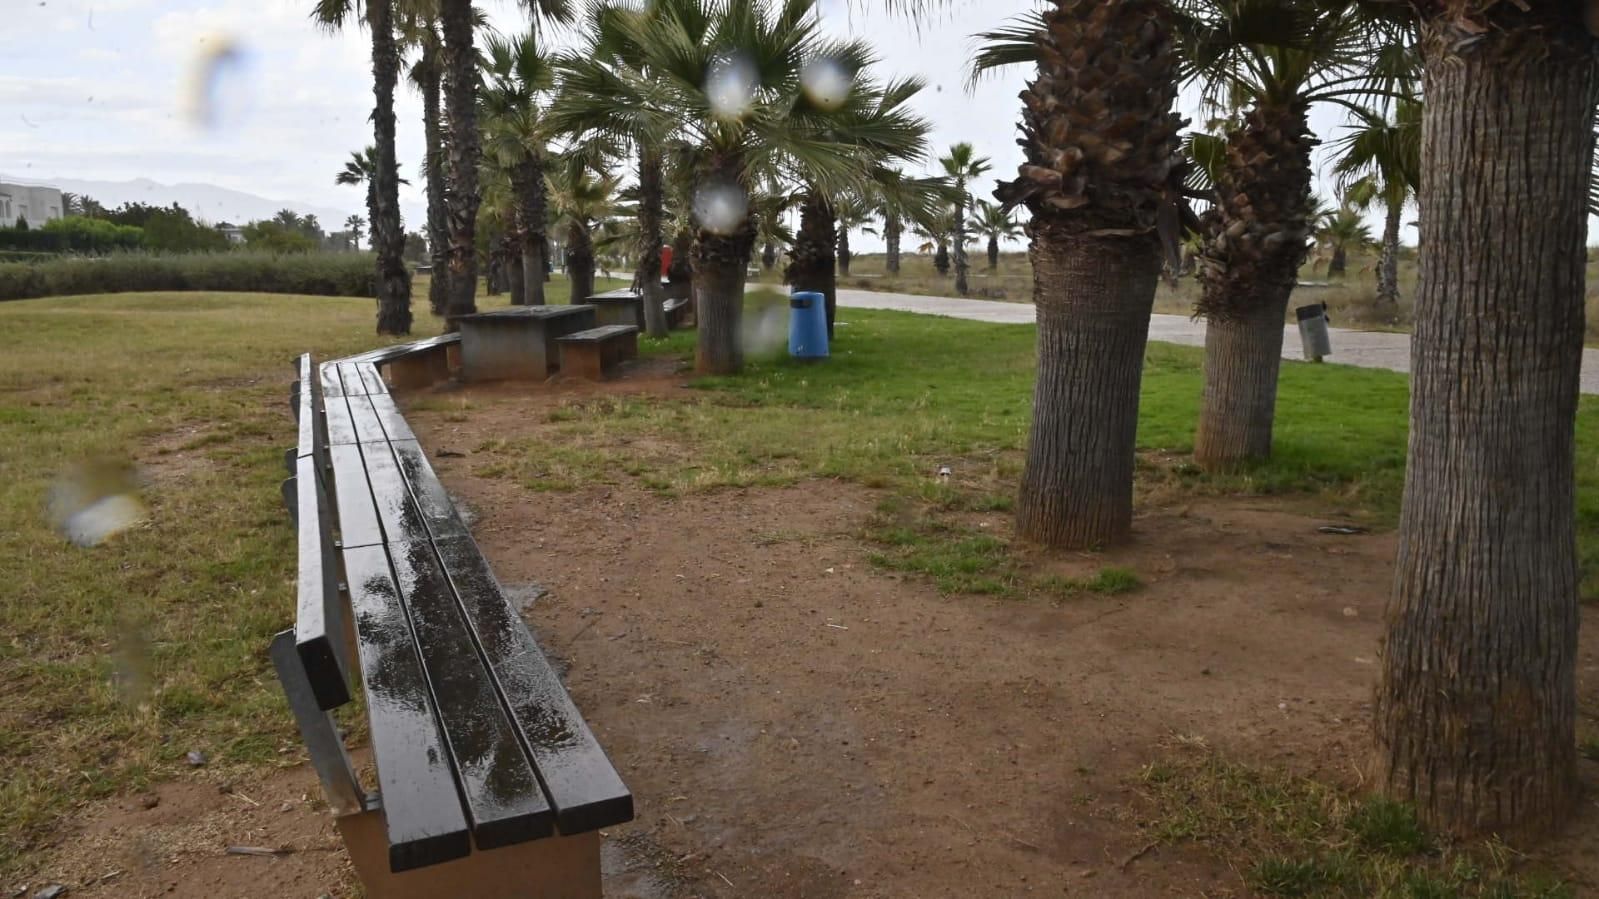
<point>73,234</point>
<point>316,274</point>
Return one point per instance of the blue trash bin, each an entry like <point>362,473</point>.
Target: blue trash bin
<point>807,325</point>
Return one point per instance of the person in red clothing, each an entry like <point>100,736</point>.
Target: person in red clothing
<point>666,259</point>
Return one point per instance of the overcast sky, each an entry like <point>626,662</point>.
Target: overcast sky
<point>102,90</point>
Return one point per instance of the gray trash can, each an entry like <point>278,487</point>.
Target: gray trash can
<point>1314,335</point>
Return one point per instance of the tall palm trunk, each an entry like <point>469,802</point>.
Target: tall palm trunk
<point>1475,715</point>
<point>651,206</point>
<point>1096,259</point>
<point>719,266</point>
<point>893,231</point>
<point>769,256</point>
<point>1255,243</point>
<point>438,216</point>
<point>580,260</point>
<point>993,252</point>
<point>466,151</point>
<point>844,253</point>
<point>508,268</point>
<point>388,236</point>
<point>1388,266</point>
<point>958,238</point>
<point>813,256</point>
<point>1339,265</point>
<point>941,257</point>
<point>1094,297</point>
<point>532,208</point>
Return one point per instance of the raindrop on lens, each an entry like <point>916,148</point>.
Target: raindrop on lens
<point>94,502</point>
<point>826,83</point>
<point>216,89</point>
<point>721,208</point>
<point>730,86</point>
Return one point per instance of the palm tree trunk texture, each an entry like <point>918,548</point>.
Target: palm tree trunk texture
<point>1339,265</point>
<point>388,236</point>
<point>532,207</point>
<point>720,262</point>
<point>1388,266</point>
<point>580,261</point>
<point>1243,357</point>
<point>510,268</point>
<point>1255,243</point>
<point>769,256</point>
<point>893,230</point>
<point>958,238</point>
<point>813,256</point>
<point>465,150</point>
<point>651,207</point>
<point>843,252</point>
<point>438,215</point>
<point>993,252</point>
<point>941,258</point>
<point>1094,296</point>
<point>1475,714</point>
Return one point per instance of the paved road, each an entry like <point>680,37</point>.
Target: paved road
<point>1367,349</point>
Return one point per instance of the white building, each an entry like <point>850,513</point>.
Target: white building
<point>35,203</point>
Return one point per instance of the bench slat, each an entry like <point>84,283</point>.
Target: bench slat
<point>604,332</point>
<point>351,378</point>
<point>582,784</point>
<point>368,427</point>
<point>362,377</point>
<point>341,426</point>
<point>394,423</point>
<point>421,807</point>
<point>319,628</point>
<point>332,385</point>
<point>397,512</point>
<point>358,519</point>
<point>438,511</point>
<point>502,793</point>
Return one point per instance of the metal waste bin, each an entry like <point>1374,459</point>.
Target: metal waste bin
<point>1314,335</point>
<point>807,325</point>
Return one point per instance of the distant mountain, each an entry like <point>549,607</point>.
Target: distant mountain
<point>212,203</point>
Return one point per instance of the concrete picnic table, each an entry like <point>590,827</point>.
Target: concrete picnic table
<point>518,343</point>
<point>619,307</point>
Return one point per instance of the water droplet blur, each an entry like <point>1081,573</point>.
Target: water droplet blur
<point>730,86</point>
<point>131,671</point>
<point>94,502</point>
<point>721,208</point>
<point>766,330</point>
<point>826,83</point>
<point>217,86</point>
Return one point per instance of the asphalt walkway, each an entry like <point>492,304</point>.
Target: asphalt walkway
<point>1366,349</point>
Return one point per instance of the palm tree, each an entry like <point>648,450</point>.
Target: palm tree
<point>388,234</point>
<point>1379,161</point>
<point>875,123</point>
<point>902,199</point>
<point>1342,231</point>
<point>1476,711</point>
<point>419,31</point>
<point>962,165</point>
<point>999,224</point>
<point>608,88</point>
<point>1102,178</point>
<point>853,213</point>
<point>582,201</point>
<point>354,224</point>
<point>936,226</point>
<point>735,87</point>
<point>1272,60</point>
<point>516,135</point>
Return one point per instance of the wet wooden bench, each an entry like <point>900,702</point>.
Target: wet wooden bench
<point>489,782</point>
<point>419,363</point>
<point>596,354</point>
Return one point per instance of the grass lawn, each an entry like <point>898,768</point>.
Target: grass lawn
<point>121,658</point>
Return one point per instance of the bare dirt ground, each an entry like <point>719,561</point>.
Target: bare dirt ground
<point>797,723</point>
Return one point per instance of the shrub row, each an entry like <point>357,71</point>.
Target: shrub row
<point>317,274</point>
<point>73,234</point>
